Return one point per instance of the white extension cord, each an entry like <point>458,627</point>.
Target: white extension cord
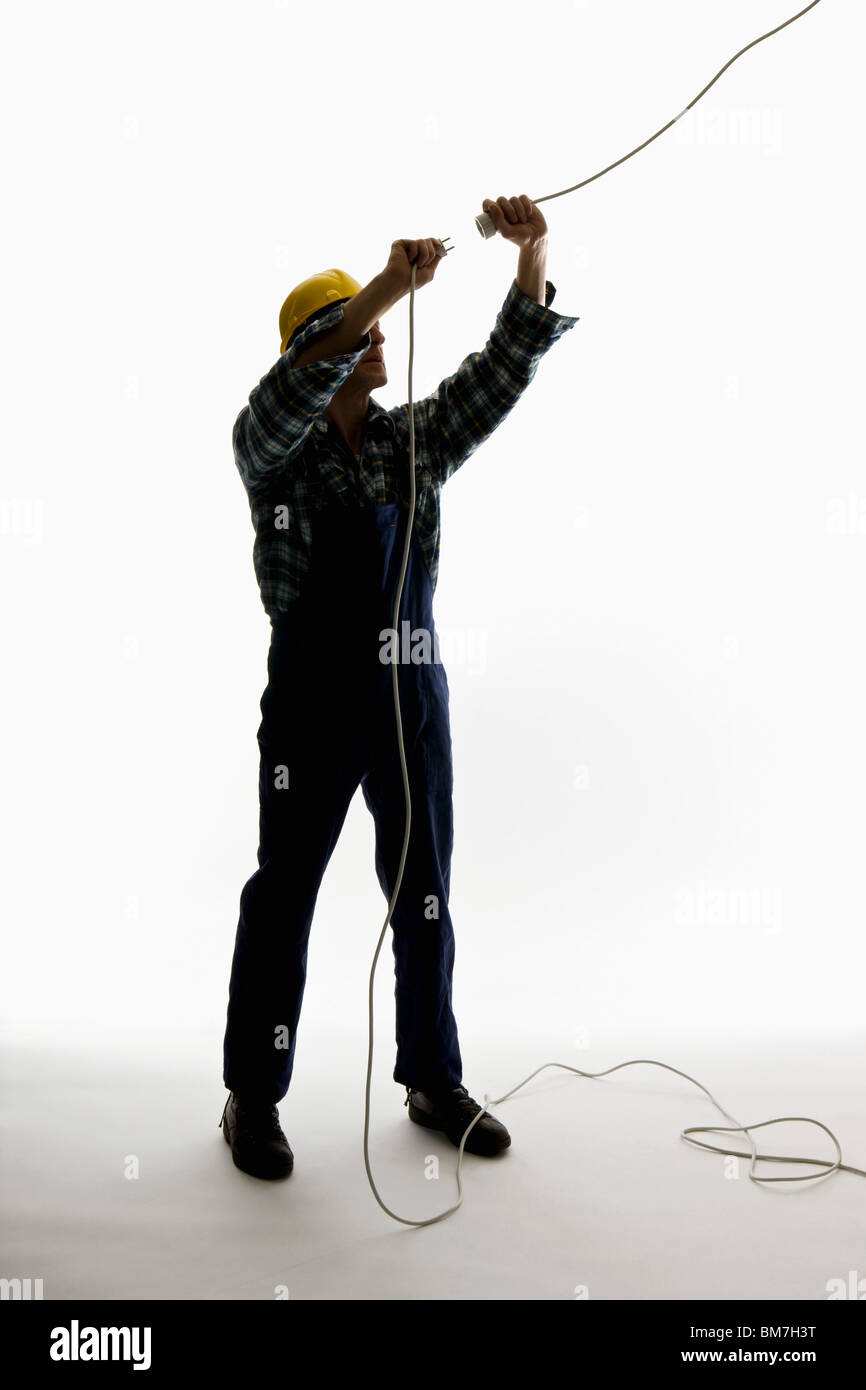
<point>826,1167</point>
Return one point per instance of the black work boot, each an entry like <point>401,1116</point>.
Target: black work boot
<point>453,1111</point>
<point>257,1143</point>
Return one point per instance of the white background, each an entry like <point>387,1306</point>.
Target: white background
<point>651,576</point>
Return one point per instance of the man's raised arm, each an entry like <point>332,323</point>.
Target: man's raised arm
<point>300,385</point>
<point>467,406</point>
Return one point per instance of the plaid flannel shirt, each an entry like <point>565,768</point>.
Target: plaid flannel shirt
<point>293,460</point>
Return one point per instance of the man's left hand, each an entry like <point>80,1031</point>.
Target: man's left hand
<point>517,219</point>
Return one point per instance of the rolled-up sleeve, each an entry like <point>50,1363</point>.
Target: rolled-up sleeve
<point>466,407</point>
<point>281,409</point>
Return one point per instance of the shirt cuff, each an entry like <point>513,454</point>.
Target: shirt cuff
<point>527,317</point>
<point>528,328</point>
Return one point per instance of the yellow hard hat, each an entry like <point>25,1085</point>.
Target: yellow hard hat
<point>315,293</point>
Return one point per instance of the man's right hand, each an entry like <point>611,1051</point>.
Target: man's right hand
<point>362,310</point>
<point>403,253</point>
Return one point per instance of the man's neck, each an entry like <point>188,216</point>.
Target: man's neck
<point>349,416</point>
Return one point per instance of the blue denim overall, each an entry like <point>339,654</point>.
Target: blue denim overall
<point>328,724</point>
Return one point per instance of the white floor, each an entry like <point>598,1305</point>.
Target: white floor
<point>597,1193</point>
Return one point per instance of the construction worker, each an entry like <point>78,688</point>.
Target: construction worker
<point>326,472</point>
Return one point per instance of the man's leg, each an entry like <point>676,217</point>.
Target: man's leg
<point>307,778</point>
<point>428,1052</point>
